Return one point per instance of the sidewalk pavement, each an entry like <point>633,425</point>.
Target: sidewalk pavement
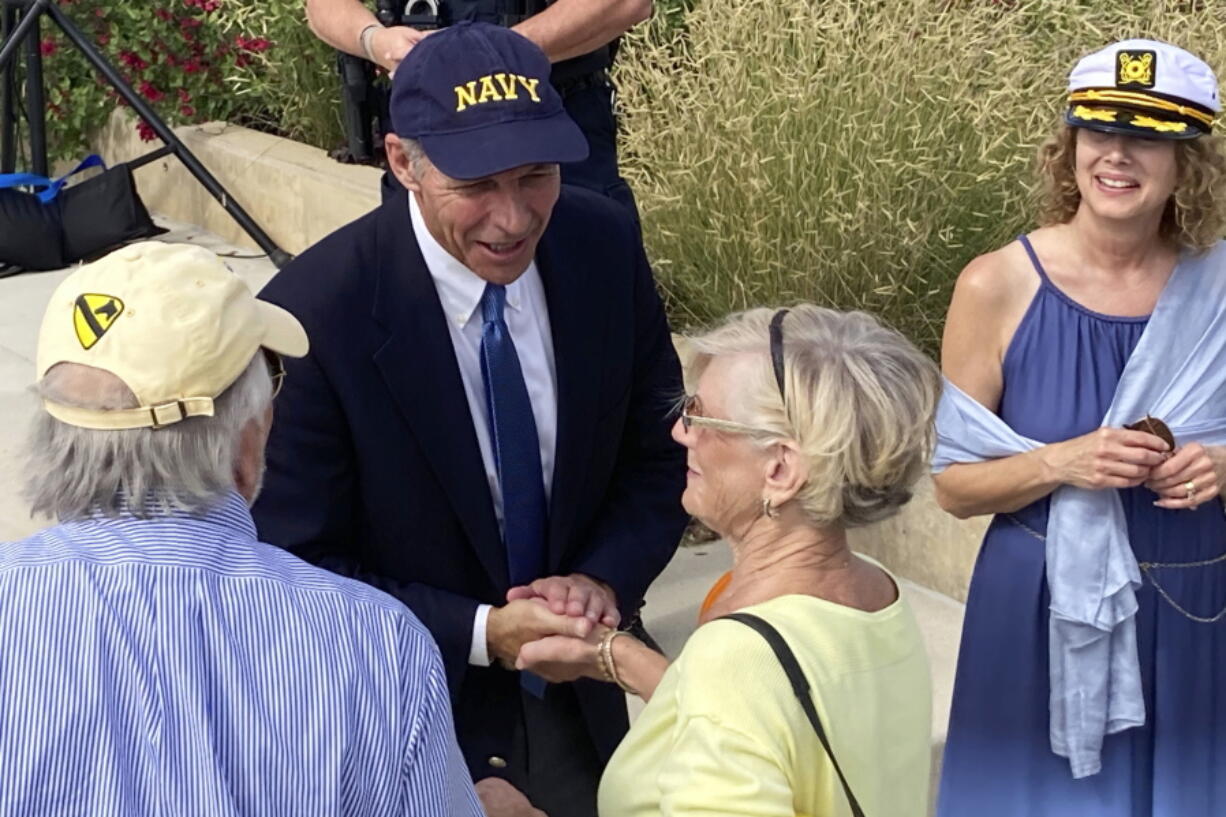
<point>671,611</point>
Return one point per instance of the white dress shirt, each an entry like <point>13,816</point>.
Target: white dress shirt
<point>527,317</point>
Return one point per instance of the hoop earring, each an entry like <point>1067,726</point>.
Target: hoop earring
<point>769,510</point>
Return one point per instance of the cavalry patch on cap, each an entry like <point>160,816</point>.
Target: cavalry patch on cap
<point>1135,69</point>
<point>93,315</point>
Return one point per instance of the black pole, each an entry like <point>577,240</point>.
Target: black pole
<point>18,34</point>
<point>8,98</point>
<point>151,156</point>
<point>36,111</point>
<point>278,256</point>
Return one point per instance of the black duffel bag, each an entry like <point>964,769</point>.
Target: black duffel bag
<point>31,233</point>
<point>65,224</point>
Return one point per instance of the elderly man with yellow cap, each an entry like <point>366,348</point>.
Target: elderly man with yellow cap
<point>1086,409</point>
<point>155,656</point>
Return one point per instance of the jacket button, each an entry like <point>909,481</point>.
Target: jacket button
<point>497,762</point>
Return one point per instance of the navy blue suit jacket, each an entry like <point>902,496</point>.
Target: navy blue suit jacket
<point>373,464</point>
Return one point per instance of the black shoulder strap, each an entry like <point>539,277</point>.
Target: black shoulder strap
<point>800,685</point>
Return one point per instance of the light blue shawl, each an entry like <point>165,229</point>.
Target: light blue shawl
<point>1177,373</point>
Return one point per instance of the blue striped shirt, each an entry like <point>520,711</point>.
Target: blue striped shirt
<point>176,665</point>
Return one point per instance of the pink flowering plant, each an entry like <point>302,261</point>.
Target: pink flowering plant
<point>250,62</point>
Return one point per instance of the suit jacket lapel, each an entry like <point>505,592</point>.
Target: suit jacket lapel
<point>418,364</point>
<point>576,344</point>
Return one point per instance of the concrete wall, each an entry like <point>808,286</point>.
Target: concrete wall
<point>299,195</point>
<point>925,544</point>
<point>296,193</point>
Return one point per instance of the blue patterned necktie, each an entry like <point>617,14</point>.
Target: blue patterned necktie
<point>517,451</point>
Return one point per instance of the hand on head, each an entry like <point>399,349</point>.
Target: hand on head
<point>390,45</point>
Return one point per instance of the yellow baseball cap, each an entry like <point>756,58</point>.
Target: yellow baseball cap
<point>169,320</point>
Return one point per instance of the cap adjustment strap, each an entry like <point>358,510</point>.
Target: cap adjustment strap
<point>167,413</point>
<point>155,417</point>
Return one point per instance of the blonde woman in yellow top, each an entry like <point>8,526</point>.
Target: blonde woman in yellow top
<point>804,423</point>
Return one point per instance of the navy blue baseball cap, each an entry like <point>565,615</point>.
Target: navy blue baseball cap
<point>477,98</point>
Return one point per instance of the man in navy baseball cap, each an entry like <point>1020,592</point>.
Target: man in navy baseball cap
<point>480,430</point>
<point>473,103</point>
<point>477,98</point>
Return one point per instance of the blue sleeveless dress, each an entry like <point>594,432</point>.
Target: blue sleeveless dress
<point>1060,374</point>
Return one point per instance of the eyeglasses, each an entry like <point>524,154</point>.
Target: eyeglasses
<point>691,415</point>
<point>691,408</point>
<point>276,370</point>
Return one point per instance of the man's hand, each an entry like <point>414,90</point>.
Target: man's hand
<point>390,45</point>
<point>573,595</point>
<point>519,621</point>
<point>500,799</point>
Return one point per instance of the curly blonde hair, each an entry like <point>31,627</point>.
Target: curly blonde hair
<point>1195,216</point>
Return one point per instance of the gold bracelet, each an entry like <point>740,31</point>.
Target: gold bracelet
<point>607,645</point>
<point>604,663</point>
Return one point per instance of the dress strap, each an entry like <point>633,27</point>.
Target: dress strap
<point>1034,259</point>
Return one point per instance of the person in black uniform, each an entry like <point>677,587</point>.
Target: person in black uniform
<point>578,37</point>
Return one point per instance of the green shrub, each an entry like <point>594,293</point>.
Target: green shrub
<point>243,61</point>
<point>854,154</point>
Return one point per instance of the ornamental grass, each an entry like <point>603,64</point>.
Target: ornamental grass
<point>854,154</point>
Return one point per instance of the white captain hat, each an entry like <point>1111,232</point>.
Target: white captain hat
<point>1143,88</point>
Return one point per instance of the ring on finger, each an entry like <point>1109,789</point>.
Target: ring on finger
<point>1190,486</point>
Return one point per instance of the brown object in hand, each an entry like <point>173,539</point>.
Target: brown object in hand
<point>1152,425</point>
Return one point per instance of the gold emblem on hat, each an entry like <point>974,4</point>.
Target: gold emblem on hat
<point>93,315</point>
<point>1159,125</point>
<point>1135,68</point>
<point>1099,114</point>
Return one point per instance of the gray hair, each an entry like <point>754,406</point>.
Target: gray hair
<point>187,466</point>
<point>861,401</point>
<point>415,154</point>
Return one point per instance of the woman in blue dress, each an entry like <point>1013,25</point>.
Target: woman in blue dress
<point>1039,332</point>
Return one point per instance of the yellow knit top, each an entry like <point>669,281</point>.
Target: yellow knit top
<point>724,734</point>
